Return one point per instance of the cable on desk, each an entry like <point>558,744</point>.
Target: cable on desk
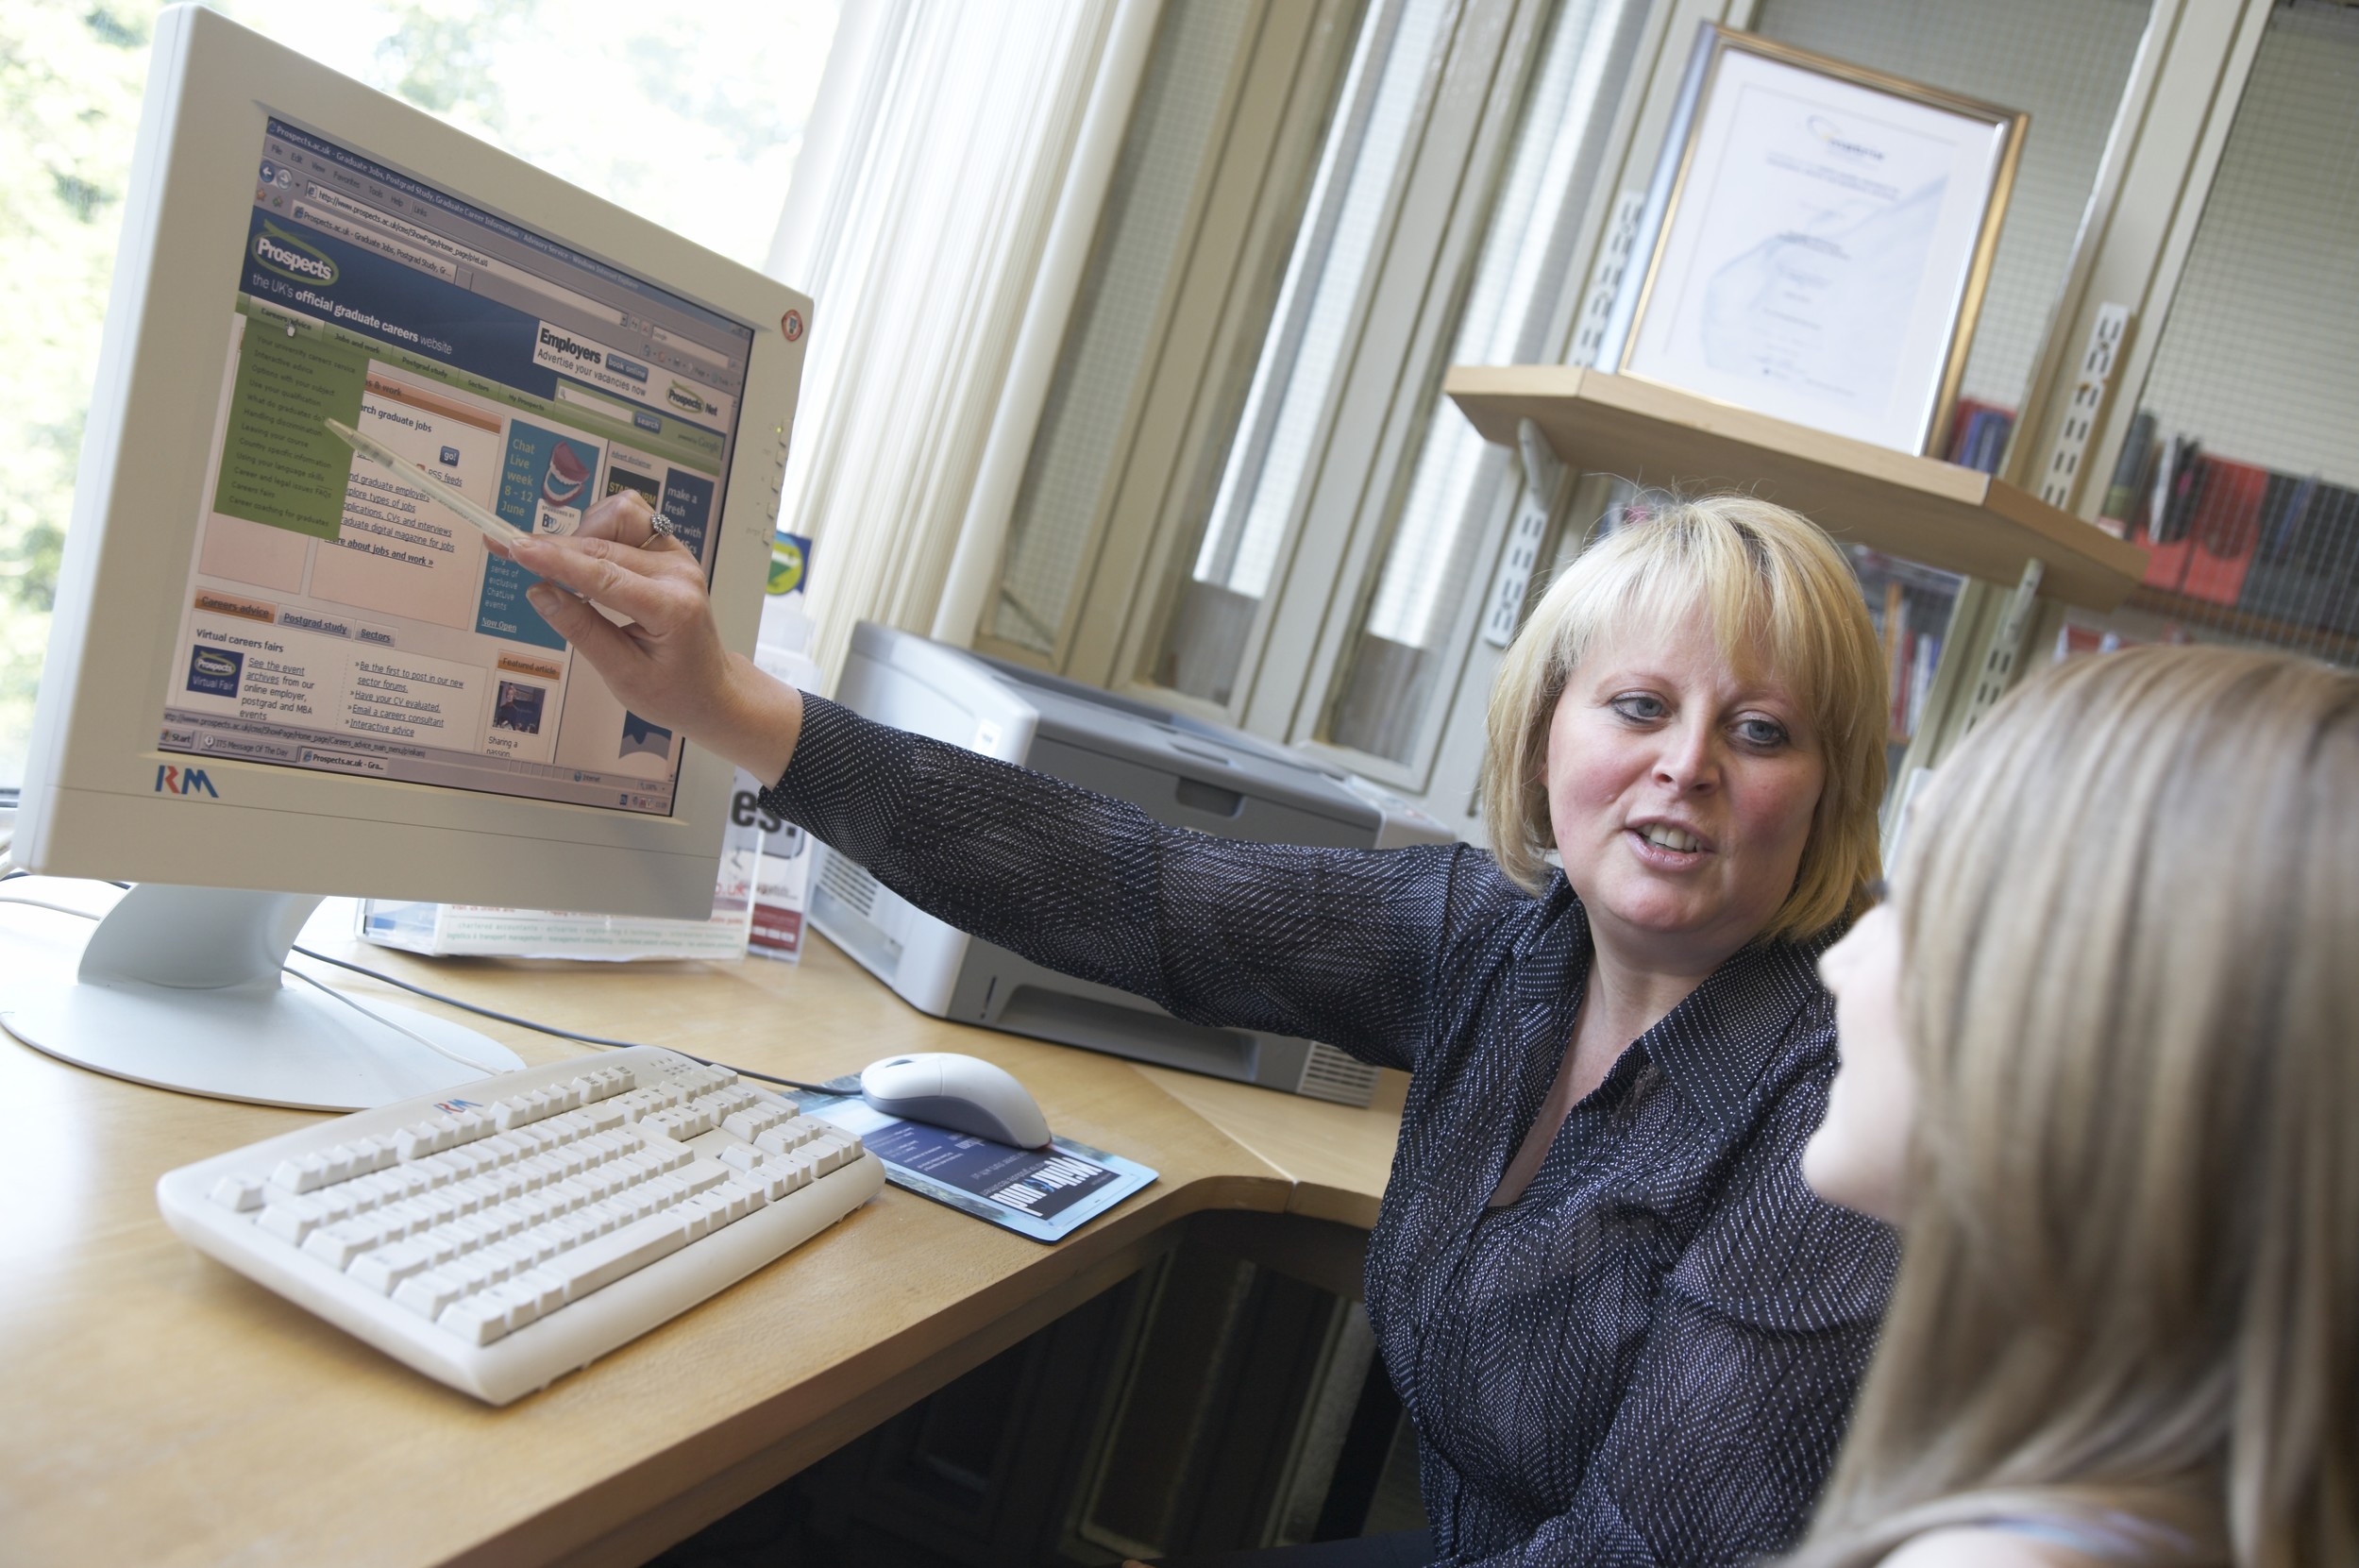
<point>480,1011</point>
<point>552,1029</point>
<point>444,1051</point>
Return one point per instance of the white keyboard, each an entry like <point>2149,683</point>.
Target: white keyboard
<point>531,1221</point>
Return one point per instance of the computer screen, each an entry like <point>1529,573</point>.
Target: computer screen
<point>278,670</point>
<point>337,620</point>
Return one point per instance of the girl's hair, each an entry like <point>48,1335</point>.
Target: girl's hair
<point>1772,588</point>
<point>2130,915</point>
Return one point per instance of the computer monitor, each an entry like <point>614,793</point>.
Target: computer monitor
<point>277,671</point>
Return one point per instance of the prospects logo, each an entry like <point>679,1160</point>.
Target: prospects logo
<point>276,250</point>
<point>184,781</point>
<point>683,395</point>
<point>215,672</point>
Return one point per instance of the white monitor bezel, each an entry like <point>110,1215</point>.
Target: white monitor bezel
<point>91,804</point>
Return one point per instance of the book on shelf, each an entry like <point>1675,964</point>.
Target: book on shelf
<point>2304,572</point>
<point>1924,660</point>
<point>1912,655</point>
<point>2334,515</point>
<point>2279,546</point>
<point>2224,524</point>
<point>2163,521</point>
<point>1978,434</point>
<point>2132,475</point>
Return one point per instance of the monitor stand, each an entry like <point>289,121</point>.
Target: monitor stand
<point>179,988</point>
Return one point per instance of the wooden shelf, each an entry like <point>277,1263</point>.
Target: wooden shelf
<point>1917,508</point>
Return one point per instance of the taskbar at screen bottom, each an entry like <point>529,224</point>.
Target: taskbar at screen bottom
<point>231,741</point>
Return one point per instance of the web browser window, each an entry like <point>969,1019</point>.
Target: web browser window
<point>335,619</point>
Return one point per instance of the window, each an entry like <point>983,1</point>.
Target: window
<point>1410,180</point>
<point>1175,125</point>
<point>1411,622</point>
<point>1269,457</point>
<point>697,122</point>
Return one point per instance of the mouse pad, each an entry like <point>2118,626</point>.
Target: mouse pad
<point>1044,1194</point>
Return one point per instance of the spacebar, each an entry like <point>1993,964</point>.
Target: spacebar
<point>595,1265</point>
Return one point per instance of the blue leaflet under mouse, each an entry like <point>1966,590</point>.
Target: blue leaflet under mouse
<point>1044,1194</point>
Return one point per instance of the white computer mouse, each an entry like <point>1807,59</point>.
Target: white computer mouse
<point>963,1093</point>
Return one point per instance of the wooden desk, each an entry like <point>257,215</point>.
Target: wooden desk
<point>162,1410</point>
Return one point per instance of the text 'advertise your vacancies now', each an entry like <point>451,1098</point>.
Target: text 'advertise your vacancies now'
<point>335,619</point>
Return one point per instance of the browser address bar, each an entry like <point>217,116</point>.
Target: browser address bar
<point>336,201</point>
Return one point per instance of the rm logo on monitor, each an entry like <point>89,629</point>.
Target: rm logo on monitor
<point>184,781</point>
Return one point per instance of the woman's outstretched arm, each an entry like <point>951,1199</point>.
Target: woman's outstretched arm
<point>1336,945</point>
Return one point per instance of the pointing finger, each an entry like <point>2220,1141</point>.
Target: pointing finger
<point>621,577</point>
<point>626,516</point>
<point>601,642</point>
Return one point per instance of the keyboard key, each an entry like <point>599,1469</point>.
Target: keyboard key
<point>474,1271</point>
<point>594,1265</point>
<point>302,1173</point>
<point>478,1320</point>
<point>784,1174</point>
<point>292,1220</point>
<point>726,1103</point>
<point>742,1197</point>
<point>337,1245</point>
<point>549,1291</point>
<point>703,1214</point>
<point>521,1301</point>
<point>754,1120</point>
<point>384,1269</point>
<point>793,1134</point>
<point>239,1193</point>
<point>429,1294</point>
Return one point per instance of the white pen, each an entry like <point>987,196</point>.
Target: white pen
<point>498,533</point>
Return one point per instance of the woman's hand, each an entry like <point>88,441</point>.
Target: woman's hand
<point>665,661</point>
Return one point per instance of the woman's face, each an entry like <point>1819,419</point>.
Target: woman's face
<point>1680,791</point>
<point>1858,1157</point>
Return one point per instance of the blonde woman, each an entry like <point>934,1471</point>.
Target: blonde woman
<point>1624,1328</point>
<point>2101,1055</point>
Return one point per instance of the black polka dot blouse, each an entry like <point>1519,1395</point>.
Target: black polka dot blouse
<point>1648,1357</point>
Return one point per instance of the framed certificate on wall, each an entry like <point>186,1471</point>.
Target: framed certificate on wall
<point>1822,236</point>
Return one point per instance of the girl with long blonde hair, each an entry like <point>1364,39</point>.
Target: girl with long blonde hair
<point>2101,1060</point>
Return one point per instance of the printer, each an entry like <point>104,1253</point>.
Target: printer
<point>1178,769</point>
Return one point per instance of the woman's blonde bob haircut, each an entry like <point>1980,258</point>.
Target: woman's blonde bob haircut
<point>2129,1289</point>
<point>1774,589</point>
